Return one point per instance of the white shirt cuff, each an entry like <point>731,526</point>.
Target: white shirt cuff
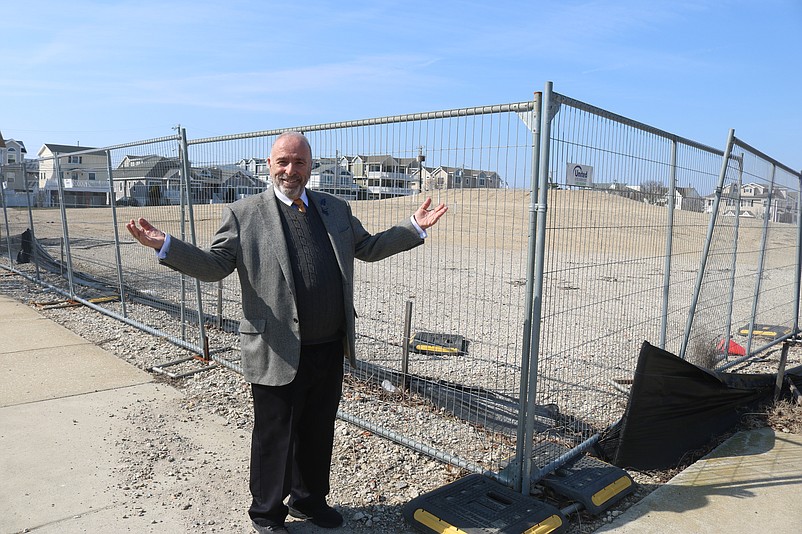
<point>421,232</point>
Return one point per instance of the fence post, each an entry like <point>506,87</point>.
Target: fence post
<point>672,198</point>
<point>798,254</point>
<point>8,231</point>
<point>64,227</point>
<point>118,256</point>
<point>528,303</point>
<point>183,196</point>
<point>185,169</point>
<point>537,285</point>
<point>731,303</point>
<point>34,247</point>
<point>761,261</point>
<point>725,161</point>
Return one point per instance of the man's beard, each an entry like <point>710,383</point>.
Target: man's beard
<point>291,192</point>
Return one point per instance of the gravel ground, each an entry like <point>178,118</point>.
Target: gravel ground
<point>372,478</point>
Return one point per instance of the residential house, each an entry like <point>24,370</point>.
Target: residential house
<point>156,180</point>
<point>18,174</point>
<point>12,152</point>
<point>223,183</point>
<point>621,190</point>
<point>444,177</point>
<point>151,180</point>
<point>83,172</point>
<point>754,202</point>
<point>381,176</point>
<point>237,184</point>
<point>688,199</point>
<point>330,177</point>
<point>256,167</point>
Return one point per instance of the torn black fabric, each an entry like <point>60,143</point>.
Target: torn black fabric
<point>675,408</point>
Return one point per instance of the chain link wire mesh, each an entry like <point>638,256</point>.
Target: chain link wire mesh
<point>633,253</point>
<point>749,285</point>
<point>464,286</point>
<point>442,330</point>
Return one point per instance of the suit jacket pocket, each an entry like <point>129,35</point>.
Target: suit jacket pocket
<point>252,326</point>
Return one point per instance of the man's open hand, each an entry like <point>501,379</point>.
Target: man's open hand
<point>426,217</point>
<point>146,233</point>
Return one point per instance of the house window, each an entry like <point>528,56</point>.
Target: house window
<point>75,176</point>
<point>12,155</point>
<point>75,159</point>
<point>92,176</point>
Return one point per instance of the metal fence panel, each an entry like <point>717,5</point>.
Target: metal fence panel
<point>750,282</point>
<point>466,283</point>
<point>620,233</point>
<point>627,208</point>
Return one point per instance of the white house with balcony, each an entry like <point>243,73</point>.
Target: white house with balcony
<point>256,167</point>
<point>83,172</point>
<point>333,178</point>
<point>381,176</point>
<point>755,202</point>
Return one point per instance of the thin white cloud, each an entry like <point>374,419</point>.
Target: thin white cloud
<point>270,90</point>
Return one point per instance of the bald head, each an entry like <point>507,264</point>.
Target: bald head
<point>290,163</point>
<point>292,137</point>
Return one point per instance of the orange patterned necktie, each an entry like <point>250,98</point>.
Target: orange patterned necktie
<point>299,205</point>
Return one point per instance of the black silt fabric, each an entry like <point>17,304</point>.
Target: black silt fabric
<point>675,408</point>
<point>318,282</point>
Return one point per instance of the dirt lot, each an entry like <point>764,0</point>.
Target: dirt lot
<point>603,284</point>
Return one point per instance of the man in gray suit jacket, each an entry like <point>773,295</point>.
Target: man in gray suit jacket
<point>293,250</point>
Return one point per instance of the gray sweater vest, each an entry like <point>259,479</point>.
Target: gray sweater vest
<point>318,283</point>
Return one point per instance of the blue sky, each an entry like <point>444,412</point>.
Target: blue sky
<point>100,73</point>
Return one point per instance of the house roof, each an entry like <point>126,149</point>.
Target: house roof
<point>687,191</point>
<point>66,149</point>
<point>376,159</point>
<point>615,186</point>
<point>467,171</point>
<point>331,167</point>
<point>5,142</point>
<point>150,167</point>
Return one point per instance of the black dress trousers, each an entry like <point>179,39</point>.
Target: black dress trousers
<point>293,435</point>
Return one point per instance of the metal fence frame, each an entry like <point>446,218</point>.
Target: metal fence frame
<point>538,116</point>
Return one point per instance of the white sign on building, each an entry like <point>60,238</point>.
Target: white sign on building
<point>578,175</point>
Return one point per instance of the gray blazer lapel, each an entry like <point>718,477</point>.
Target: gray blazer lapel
<point>272,234</point>
<point>328,216</point>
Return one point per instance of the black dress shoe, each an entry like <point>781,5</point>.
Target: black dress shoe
<point>270,529</point>
<point>325,517</point>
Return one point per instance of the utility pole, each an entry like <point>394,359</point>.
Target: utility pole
<point>421,158</point>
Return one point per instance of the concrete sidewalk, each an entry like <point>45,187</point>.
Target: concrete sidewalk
<point>62,406</point>
<point>750,483</point>
<point>70,437</point>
